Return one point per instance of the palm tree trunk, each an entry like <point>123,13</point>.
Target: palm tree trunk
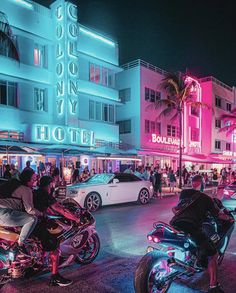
<point>180,147</point>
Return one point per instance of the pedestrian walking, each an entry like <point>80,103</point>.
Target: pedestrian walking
<point>215,183</point>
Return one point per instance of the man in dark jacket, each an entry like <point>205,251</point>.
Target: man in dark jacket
<point>43,200</point>
<point>189,216</point>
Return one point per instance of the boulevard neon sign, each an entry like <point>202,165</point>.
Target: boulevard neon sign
<point>165,140</point>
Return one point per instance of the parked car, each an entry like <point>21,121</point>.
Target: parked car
<point>110,188</point>
<point>229,196</point>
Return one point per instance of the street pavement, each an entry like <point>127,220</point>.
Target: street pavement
<point>122,230</point>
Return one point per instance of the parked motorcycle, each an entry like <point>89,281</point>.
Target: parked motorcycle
<point>77,243</point>
<point>175,254</point>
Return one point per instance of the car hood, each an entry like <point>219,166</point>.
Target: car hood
<point>84,185</point>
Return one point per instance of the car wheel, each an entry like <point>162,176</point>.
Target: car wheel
<point>144,196</point>
<point>93,201</point>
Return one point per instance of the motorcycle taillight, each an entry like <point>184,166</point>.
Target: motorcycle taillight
<point>156,239</point>
<point>149,237</point>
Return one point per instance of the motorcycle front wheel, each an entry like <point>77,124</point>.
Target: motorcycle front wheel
<point>89,251</point>
<point>152,272</point>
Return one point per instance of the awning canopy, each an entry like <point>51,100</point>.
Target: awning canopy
<point>15,147</point>
<point>63,149</point>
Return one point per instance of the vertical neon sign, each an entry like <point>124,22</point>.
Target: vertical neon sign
<point>187,135</point>
<point>66,60</point>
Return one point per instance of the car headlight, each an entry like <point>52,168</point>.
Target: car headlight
<point>73,192</point>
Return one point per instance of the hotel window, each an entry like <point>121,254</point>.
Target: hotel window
<point>111,78</point>
<point>228,107</point>
<point>152,126</point>
<point>124,126</point>
<point>39,55</point>
<point>8,93</point>
<point>152,95</point>
<point>171,131</point>
<point>111,113</point>
<point>105,112</point>
<point>228,146</point>
<point>40,99</point>
<point>104,76</point>
<point>125,95</point>
<point>217,123</point>
<point>147,126</point>
<point>217,144</point>
<point>94,73</point>
<point>98,111</point>
<point>101,75</point>
<point>218,101</point>
<point>158,128</point>
<point>91,110</point>
<point>194,134</point>
<point>195,111</point>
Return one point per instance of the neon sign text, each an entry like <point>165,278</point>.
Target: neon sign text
<point>165,140</point>
<point>62,134</point>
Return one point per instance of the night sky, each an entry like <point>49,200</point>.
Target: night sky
<point>197,36</point>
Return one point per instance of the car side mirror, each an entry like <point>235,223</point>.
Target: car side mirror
<point>115,180</point>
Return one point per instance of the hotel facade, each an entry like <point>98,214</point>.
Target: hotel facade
<point>64,95</point>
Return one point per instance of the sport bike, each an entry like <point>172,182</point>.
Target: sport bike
<point>174,254</point>
<point>79,243</point>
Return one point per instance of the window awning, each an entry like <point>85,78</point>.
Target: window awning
<point>16,147</point>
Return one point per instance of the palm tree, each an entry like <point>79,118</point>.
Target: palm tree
<point>179,93</point>
<point>229,120</point>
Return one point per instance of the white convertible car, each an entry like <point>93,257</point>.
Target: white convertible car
<point>104,189</point>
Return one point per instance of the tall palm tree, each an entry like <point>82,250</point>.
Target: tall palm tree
<point>179,93</point>
<point>229,120</point>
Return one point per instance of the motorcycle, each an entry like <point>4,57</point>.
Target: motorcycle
<point>175,253</point>
<point>78,243</point>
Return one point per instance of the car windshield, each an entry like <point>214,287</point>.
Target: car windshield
<point>100,178</point>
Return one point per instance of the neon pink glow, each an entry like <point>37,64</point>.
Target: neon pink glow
<point>164,139</point>
<point>36,57</point>
<point>149,237</point>
<point>155,239</point>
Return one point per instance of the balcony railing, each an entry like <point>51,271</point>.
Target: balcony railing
<point>213,79</point>
<point>145,64</point>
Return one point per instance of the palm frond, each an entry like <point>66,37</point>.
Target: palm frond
<point>195,104</point>
<point>166,112</point>
<point>228,117</point>
<point>175,116</point>
<point>228,129</point>
<point>161,103</point>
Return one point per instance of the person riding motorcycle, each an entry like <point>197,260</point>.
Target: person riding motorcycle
<point>189,215</point>
<point>43,201</point>
<point>16,205</point>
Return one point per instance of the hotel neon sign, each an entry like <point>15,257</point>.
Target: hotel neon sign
<point>67,70</point>
<point>62,134</point>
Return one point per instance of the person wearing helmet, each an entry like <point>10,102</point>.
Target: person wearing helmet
<point>190,213</point>
<point>44,200</point>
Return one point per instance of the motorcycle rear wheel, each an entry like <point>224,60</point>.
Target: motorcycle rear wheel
<point>151,272</point>
<point>89,251</point>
